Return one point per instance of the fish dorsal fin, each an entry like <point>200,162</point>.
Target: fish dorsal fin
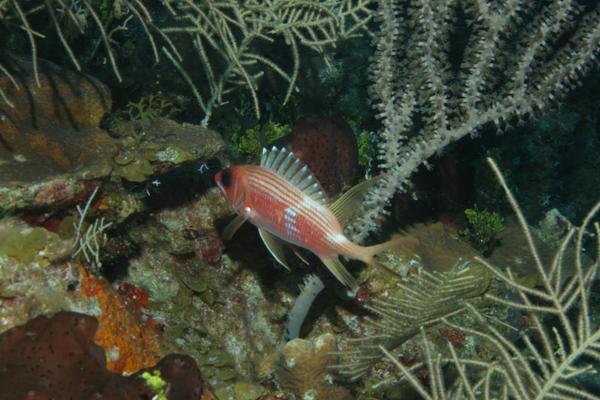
<point>346,206</point>
<point>285,164</point>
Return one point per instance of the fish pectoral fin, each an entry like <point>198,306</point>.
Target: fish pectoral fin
<point>233,226</point>
<point>341,273</point>
<point>345,206</point>
<point>275,246</point>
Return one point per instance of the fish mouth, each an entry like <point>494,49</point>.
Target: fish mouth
<point>219,181</point>
<point>218,178</point>
<point>222,189</point>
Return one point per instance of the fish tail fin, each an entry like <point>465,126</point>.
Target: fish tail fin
<point>369,252</point>
<point>341,273</point>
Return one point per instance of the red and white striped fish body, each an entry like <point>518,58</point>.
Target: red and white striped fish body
<point>274,204</point>
<point>287,204</point>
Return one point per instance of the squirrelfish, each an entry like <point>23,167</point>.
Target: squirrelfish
<point>288,206</point>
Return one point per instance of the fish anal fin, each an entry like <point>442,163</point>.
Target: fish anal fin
<point>341,273</point>
<point>345,206</point>
<point>298,254</point>
<point>275,246</point>
<point>233,226</point>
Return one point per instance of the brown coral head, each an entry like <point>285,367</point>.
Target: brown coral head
<point>328,146</point>
<point>183,376</point>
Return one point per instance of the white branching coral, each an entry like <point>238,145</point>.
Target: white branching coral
<point>89,242</point>
<point>550,358</point>
<point>520,58</point>
<point>227,38</point>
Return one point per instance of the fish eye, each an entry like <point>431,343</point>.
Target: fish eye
<point>226,177</point>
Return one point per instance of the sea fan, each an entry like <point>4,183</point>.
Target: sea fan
<point>550,358</point>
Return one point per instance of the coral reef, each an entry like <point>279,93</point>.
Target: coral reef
<point>41,272</point>
<point>154,146</point>
<point>57,358</point>
<point>53,154</point>
<point>159,279</point>
<point>555,352</point>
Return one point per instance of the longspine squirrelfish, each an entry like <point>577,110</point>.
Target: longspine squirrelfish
<point>283,199</point>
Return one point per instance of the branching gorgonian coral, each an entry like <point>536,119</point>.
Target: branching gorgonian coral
<point>559,345</point>
<point>431,89</point>
<point>421,300</point>
<point>228,38</point>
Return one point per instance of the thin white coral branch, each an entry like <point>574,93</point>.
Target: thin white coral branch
<point>425,103</point>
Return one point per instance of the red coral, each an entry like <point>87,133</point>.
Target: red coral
<point>57,191</point>
<point>133,296</point>
<point>211,247</point>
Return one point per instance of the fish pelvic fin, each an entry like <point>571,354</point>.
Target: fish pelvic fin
<point>233,226</point>
<point>341,273</point>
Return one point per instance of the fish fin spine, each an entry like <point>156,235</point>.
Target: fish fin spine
<point>285,164</point>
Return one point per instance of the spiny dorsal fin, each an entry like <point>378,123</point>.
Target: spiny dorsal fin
<point>285,164</point>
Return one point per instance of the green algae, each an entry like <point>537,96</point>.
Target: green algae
<point>150,106</point>
<point>157,384</point>
<point>24,245</point>
<point>483,229</point>
<point>252,140</point>
<point>137,170</point>
<point>248,391</point>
